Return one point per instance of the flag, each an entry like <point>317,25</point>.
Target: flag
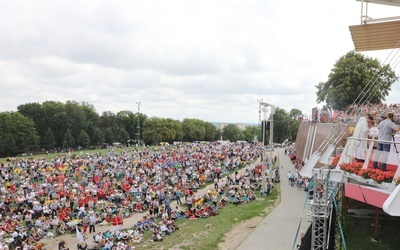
<point>319,115</point>
<point>79,235</point>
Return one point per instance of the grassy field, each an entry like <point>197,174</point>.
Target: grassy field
<point>78,153</point>
<point>359,232</point>
<point>201,233</point>
<point>54,155</point>
<point>207,233</point>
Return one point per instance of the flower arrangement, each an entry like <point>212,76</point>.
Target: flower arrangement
<point>351,167</point>
<point>335,160</point>
<point>374,174</point>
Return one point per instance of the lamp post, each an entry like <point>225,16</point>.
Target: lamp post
<point>138,124</point>
<point>265,116</point>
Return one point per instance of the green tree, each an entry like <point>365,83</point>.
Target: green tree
<point>123,135</point>
<point>210,132</point>
<point>231,132</point>
<point>35,112</point>
<point>17,133</point>
<point>178,130</point>
<point>170,132</point>
<point>127,120</point>
<point>152,131</point>
<point>294,123</point>
<point>56,119</point>
<point>295,113</point>
<point>193,130</point>
<point>156,130</point>
<point>8,146</point>
<point>49,140</point>
<point>280,125</point>
<point>350,76</point>
<point>108,123</point>
<point>69,141</point>
<point>249,133</point>
<point>83,139</point>
<point>92,119</point>
<point>76,118</point>
<point>98,137</point>
<point>109,136</point>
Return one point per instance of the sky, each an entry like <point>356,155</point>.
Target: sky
<point>210,60</point>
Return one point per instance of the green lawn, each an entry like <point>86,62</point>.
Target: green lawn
<point>359,232</point>
<point>201,233</point>
<point>207,233</point>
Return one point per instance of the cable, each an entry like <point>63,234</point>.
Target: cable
<point>340,224</point>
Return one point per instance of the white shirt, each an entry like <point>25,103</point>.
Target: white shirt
<point>109,244</point>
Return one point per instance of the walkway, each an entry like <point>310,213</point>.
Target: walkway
<point>278,229</point>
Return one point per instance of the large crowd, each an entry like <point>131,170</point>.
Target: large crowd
<point>354,112</point>
<point>45,198</point>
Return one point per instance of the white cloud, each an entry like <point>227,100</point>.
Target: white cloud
<point>207,59</point>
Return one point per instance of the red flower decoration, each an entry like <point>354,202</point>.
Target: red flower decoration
<point>374,174</point>
<point>335,160</point>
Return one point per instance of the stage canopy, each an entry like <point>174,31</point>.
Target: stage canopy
<point>377,34</point>
<point>385,2</point>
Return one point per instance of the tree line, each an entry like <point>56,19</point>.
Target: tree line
<point>54,125</point>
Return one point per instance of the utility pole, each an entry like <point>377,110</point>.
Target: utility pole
<point>266,115</point>
<point>138,125</point>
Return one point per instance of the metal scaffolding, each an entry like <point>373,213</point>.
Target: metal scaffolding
<point>322,208</point>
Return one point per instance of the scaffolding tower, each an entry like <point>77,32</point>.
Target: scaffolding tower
<point>323,211</point>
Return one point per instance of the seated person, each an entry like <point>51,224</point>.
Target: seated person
<point>245,199</point>
<point>171,225</point>
<point>164,229</point>
<point>98,237</point>
<point>174,215</point>
<point>62,245</point>
<point>82,245</point>
<point>156,235</point>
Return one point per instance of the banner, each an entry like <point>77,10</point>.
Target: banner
<point>79,235</point>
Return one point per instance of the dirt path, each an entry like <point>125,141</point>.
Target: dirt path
<point>243,229</point>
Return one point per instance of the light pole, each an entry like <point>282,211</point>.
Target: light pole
<point>265,116</point>
<point>138,124</point>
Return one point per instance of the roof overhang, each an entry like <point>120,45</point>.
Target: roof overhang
<point>369,195</point>
<point>385,2</point>
<point>376,36</point>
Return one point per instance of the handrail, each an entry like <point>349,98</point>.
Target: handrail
<point>374,140</point>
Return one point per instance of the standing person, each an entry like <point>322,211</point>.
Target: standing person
<point>214,199</point>
<point>56,225</point>
<point>92,222</point>
<point>216,183</point>
<point>386,129</point>
<point>358,148</point>
<point>178,195</point>
<point>85,223</point>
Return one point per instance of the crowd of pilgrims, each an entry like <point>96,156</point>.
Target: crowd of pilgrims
<point>44,198</point>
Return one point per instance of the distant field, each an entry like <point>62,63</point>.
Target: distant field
<point>78,153</point>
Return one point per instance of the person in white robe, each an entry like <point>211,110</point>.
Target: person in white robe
<point>358,148</point>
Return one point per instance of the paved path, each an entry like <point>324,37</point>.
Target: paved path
<point>278,230</point>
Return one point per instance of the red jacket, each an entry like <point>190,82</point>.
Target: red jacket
<point>114,221</point>
<point>120,221</point>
